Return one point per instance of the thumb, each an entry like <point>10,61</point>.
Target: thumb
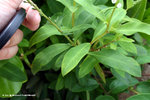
<point>15,3</point>
<point>7,10</point>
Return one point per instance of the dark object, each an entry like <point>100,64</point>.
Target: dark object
<point>12,27</point>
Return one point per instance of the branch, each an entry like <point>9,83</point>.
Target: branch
<point>49,19</point>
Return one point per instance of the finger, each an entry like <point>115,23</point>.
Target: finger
<point>16,39</point>
<point>14,3</point>
<point>7,53</point>
<point>33,18</point>
<point>7,11</point>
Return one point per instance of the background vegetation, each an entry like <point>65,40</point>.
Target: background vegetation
<point>85,50</point>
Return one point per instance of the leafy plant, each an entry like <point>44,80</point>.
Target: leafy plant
<point>86,50</point>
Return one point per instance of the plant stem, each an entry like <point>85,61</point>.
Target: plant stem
<point>87,95</point>
<point>105,92</point>
<point>134,91</point>
<point>49,19</point>
<point>73,14</point>
<point>108,25</point>
<point>108,43</point>
<point>24,57</point>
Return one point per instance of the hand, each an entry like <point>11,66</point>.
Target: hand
<point>7,10</point>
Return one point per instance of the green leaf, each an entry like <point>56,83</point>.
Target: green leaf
<point>138,10</point>
<point>83,18</point>
<point>94,10</point>
<point>118,61</point>
<point>67,18</point>
<point>24,43</point>
<point>70,80</point>
<point>13,70</point>
<point>77,28</point>
<point>104,97</point>
<point>58,62</point>
<point>12,73</point>
<point>129,47</point>
<point>143,59</point>
<point>139,38</point>
<point>143,87</point>
<point>122,82</point>
<point>68,4</point>
<point>141,51</point>
<point>9,87</point>
<point>100,29</point>
<point>144,96</point>
<point>100,2</point>
<point>133,27</point>
<point>86,66</point>
<point>144,56</point>
<point>43,33</point>
<point>46,55</point>
<point>125,39</point>
<point>85,84</point>
<point>113,46</point>
<point>100,72</point>
<point>130,4</point>
<point>117,17</point>
<point>54,39</point>
<point>54,6</point>
<point>73,57</point>
<point>60,83</point>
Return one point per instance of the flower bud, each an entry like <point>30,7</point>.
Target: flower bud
<point>119,5</point>
<point>113,1</point>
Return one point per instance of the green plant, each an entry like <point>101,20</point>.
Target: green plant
<point>86,50</point>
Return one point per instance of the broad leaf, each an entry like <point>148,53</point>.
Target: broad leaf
<point>100,2</point>
<point>60,83</point>
<point>85,84</point>
<point>143,87</point>
<point>12,73</point>
<point>94,10</point>
<point>69,4</point>
<point>43,33</point>
<point>77,28</point>
<point>117,17</point>
<point>87,65</point>
<point>100,29</point>
<point>122,82</point>
<point>144,96</point>
<point>133,27</point>
<point>73,57</point>
<point>138,10</point>
<point>144,56</point>
<point>9,87</point>
<point>104,97</point>
<point>129,47</point>
<point>100,72</point>
<point>54,6</point>
<point>83,18</point>
<point>130,4</point>
<point>141,51</point>
<point>24,43</point>
<point>67,18</point>
<point>125,39</point>
<point>46,55</point>
<point>118,61</point>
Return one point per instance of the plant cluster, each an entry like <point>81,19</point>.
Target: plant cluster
<point>84,50</point>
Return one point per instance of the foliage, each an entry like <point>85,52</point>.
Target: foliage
<point>83,50</point>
